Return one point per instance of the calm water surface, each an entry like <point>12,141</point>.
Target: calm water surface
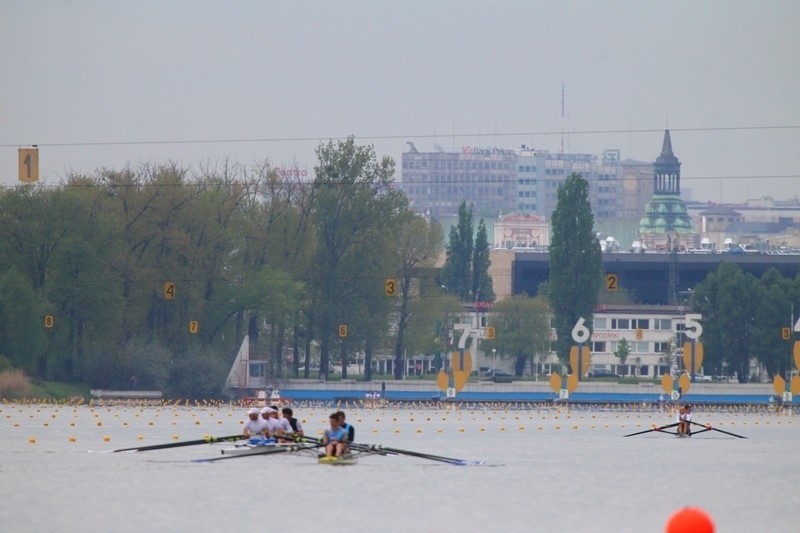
<point>547,470</point>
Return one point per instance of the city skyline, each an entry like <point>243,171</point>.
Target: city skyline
<point>98,85</point>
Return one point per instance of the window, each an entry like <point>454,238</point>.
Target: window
<point>598,347</point>
<point>620,323</point>
<point>661,347</point>
<point>256,370</point>
<point>640,347</point>
<point>640,323</point>
<point>662,323</point>
<point>600,323</point>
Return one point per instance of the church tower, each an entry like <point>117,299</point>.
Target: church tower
<point>666,224</point>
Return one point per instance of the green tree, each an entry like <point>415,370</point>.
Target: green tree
<point>725,300</point>
<point>418,248</point>
<point>522,330</point>
<point>773,311</point>
<point>352,194</point>
<point>430,320</point>
<point>623,351</point>
<point>23,338</point>
<point>481,281</point>
<point>575,262</point>
<point>457,270</point>
<point>197,374</point>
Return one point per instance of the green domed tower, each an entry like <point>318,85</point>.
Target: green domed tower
<point>666,223</point>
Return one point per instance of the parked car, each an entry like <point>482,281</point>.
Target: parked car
<point>499,376</point>
<point>701,377</point>
<point>602,373</point>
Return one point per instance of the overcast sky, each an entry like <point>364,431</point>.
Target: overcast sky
<point>102,83</point>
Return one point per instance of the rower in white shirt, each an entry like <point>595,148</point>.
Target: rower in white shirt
<point>276,426</point>
<point>685,420</point>
<point>254,427</point>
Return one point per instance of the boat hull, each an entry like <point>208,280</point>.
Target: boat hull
<point>337,461</point>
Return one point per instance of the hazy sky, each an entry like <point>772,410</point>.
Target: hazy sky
<point>102,83</point>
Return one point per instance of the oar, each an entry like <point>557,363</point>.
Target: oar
<point>653,429</point>
<point>266,451</point>
<point>383,450</point>
<point>206,440</point>
<point>720,430</point>
<point>449,460</point>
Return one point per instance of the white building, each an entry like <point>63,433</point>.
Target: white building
<point>652,331</point>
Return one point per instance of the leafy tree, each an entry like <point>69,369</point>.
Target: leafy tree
<point>23,338</point>
<point>429,322</point>
<point>575,262</point>
<point>725,299</point>
<point>457,270</point>
<point>418,248</point>
<point>352,194</point>
<point>481,281</point>
<point>522,329</point>
<point>773,309</point>
<point>466,269</point>
<point>198,374</point>
<point>623,351</point>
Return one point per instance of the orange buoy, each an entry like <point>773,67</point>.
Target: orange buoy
<point>690,520</point>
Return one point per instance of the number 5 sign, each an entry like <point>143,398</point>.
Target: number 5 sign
<point>691,326</point>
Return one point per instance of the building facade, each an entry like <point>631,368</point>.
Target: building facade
<point>437,182</point>
<point>497,181</point>
<point>521,231</point>
<point>651,331</point>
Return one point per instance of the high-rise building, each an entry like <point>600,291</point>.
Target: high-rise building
<point>437,182</point>
<point>540,173</point>
<point>497,181</point>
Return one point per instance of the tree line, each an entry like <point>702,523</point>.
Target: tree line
<point>744,318</point>
<point>151,276</point>
<point>104,278</point>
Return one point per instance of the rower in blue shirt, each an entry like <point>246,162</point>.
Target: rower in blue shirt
<point>351,431</point>
<point>335,438</point>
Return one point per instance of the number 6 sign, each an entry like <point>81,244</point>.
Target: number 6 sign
<point>580,333</point>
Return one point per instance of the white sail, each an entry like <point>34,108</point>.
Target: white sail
<point>237,377</point>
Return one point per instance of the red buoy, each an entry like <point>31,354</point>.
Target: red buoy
<point>690,520</point>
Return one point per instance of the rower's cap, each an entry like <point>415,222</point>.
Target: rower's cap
<point>268,410</point>
<point>253,411</point>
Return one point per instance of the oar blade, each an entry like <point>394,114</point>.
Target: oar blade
<point>204,440</point>
<point>439,458</point>
<point>709,427</point>
<point>651,430</point>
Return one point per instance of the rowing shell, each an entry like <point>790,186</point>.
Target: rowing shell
<point>337,461</point>
<point>249,449</point>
